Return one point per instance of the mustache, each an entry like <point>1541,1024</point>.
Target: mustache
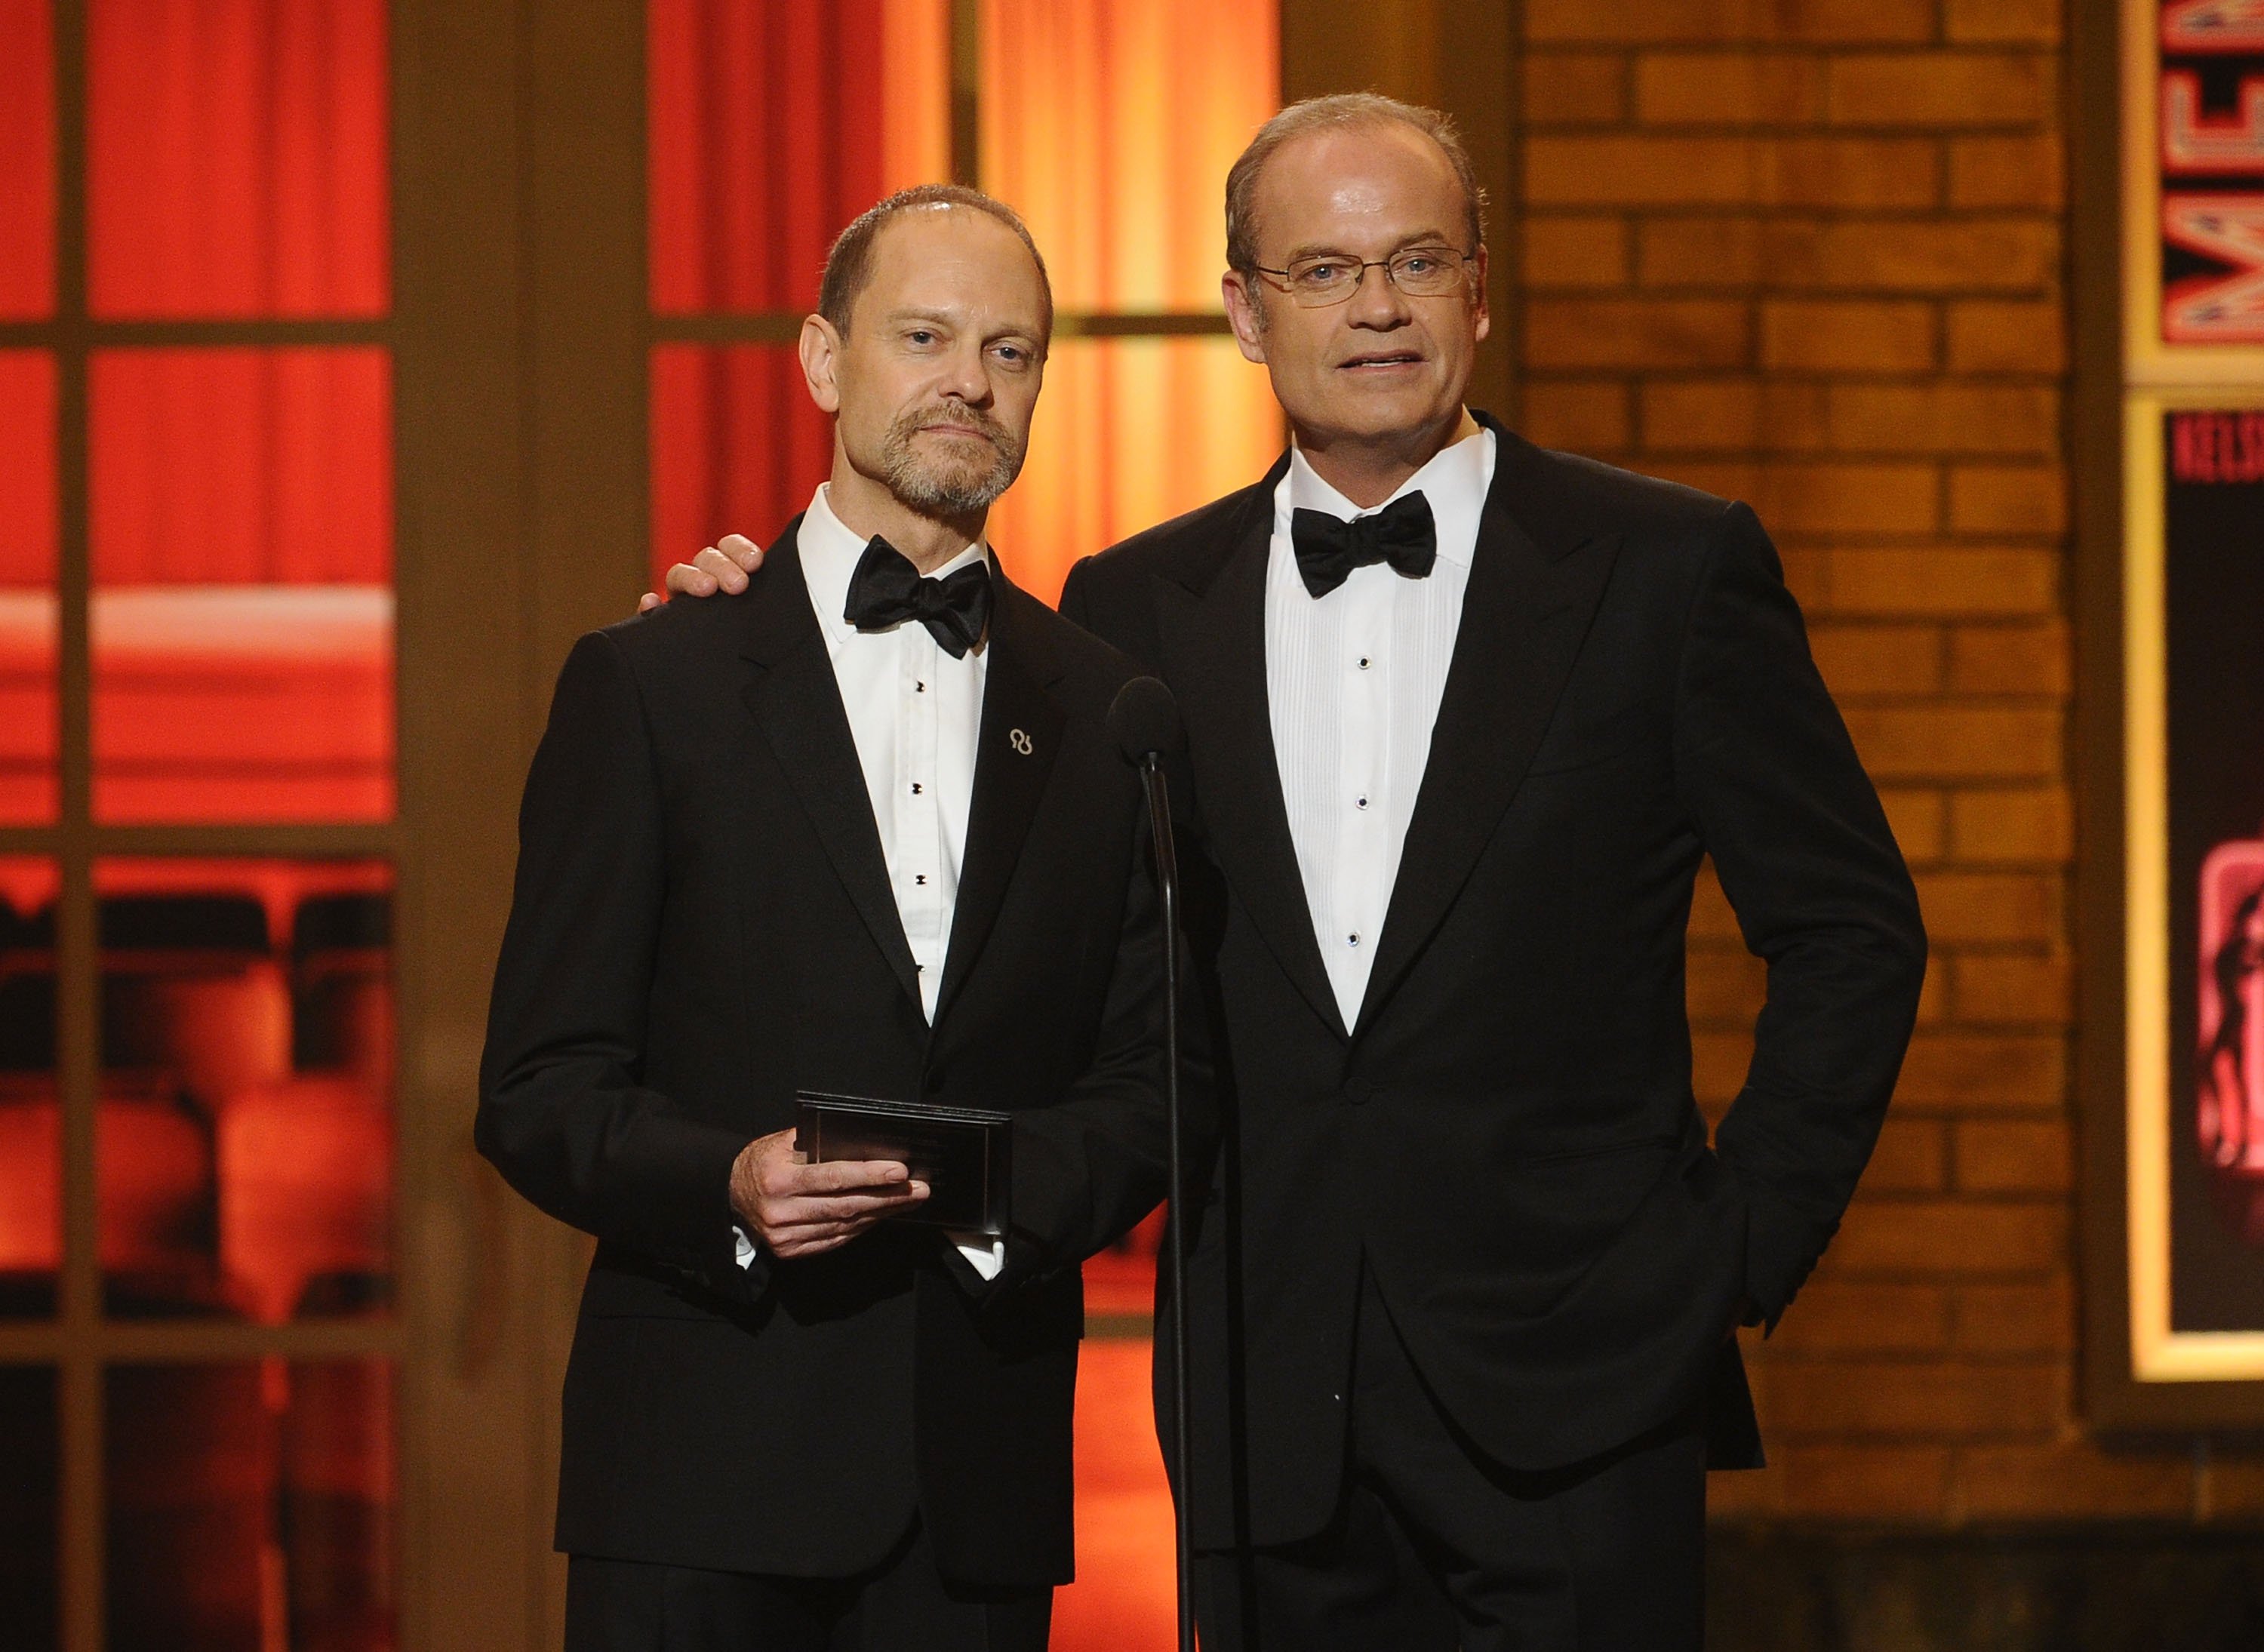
<point>956,416</point>
<point>957,482</point>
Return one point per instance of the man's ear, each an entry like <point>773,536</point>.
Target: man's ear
<point>821,354</point>
<point>1481,319</point>
<point>1242,315</point>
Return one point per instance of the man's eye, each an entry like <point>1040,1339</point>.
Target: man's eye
<point>920,335</point>
<point>1322,274</point>
<point>1418,264</point>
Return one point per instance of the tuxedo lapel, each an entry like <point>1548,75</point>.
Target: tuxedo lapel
<point>1524,611</point>
<point>1214,651</point>
<point>1018,737</point>
<point>796,703</point>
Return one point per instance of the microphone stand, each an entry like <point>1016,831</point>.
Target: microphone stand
<point>1167,880</point>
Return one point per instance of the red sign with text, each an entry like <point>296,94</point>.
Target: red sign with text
<point>2211,156</point>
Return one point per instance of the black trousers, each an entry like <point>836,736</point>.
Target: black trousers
<point>902,1606</point>
<point>1433,1549</point>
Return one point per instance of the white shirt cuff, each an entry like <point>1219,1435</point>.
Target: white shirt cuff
<point>746,1246</point>
<point>986,1256</point>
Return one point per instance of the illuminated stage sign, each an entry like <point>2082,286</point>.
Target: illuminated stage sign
<point>2193,885</point>
<point>2188,1220</point>
<point>2213,568</point>
<point>2212,171</point>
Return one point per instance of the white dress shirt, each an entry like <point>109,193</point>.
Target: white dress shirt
<point>1352,684</point>
<point>914,712</point>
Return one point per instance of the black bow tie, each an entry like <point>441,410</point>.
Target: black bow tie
<point>887,589</point>
<point>1329,547</point>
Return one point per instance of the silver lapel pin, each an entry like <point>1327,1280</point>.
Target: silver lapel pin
<point>1021,740</point>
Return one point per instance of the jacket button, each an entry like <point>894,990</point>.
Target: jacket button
<point>934,1080</point>
<point>1359,1091</point>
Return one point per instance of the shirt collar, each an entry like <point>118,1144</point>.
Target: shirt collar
<point>830,553</point>
<point>1455,482</point>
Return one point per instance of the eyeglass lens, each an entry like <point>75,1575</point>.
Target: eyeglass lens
<point>1421,272</point>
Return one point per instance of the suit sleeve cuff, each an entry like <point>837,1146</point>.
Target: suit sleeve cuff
<point>1780,1252</point>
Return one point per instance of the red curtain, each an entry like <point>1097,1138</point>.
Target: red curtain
<point>243,466</point>
<point>236,157</point>
<point>737,445</point>
<point>241,507</point>
<point>27,418</point>
<point>27,161</point>
<point>243,548</point>
<point>770,126</point>
<point>27,579</point>
<point>766,138</point>
<point>1111,127</point>
<point>28,469</point>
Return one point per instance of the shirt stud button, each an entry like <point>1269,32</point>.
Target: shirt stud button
<point>1351,940</point>
<point>1360,802</point>
<point>1365,662</point>
<point>919,877</point>
<point>916,788</point>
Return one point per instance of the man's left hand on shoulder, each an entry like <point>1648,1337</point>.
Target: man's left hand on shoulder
<point>723,566</point>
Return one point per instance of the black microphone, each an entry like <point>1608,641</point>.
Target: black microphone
<point>1146,722</point>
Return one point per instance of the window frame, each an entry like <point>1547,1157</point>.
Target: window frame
<point>80,1343</point>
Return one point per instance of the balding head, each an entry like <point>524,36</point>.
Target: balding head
<point>1336,112</point>
<point>849,265</point>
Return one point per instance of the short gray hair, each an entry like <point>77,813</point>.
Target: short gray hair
<point>1335,112</point>
<point>849,265</point>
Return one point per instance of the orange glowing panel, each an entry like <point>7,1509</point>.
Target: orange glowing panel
<point>242,609</point>
<point>1120,1282</point>
<point>27,160</point>
<point>238,159</point>
<point>1111,127</point>
<point>251,1506</point>
<point>27,587</point>
<point>771,124</point>
<point>244,1141</point>
<point>1125,1595</point>
<point>737,445</point>
<point>1130,432</point>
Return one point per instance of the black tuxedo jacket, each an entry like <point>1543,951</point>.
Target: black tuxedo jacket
<point>1506,1132</point>
<point>703,925</point>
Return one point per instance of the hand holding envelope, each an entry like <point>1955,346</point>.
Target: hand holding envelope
<point>794,1208</point>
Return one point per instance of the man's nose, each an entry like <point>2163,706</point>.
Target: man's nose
<point>1375,301</point>
<point>967,375</point>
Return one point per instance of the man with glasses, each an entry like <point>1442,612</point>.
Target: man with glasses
<point>1463,717</point>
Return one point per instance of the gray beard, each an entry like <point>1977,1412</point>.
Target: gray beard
<point>953,490</point>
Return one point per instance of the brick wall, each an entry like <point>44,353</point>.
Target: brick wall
<point>1810,253</point>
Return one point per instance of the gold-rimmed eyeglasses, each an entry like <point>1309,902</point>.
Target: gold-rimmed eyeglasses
<point>1332,278</point>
